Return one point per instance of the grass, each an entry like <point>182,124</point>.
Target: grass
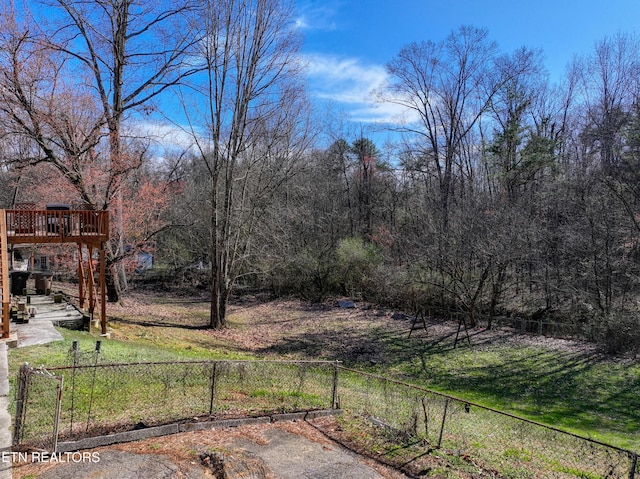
<point>527,454</point>
<point>405,454</point>
<point>137,346</point>
<point>584,393</point>
<point>494,441</point>
<point>127,390</point>
<point>570,388</point>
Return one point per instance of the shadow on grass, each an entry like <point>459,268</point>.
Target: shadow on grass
<point>580,390</point>
<point>565,386</point>
<point>161,324</point>
<point>352,347</point>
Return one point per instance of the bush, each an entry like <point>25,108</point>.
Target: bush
<point>357,262</point>
<point>618,334</point>
<point>308,274</point>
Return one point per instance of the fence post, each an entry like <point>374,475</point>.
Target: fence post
<point>23,392</point>
<point>334,392</point>
<point>93,382</point>
<point>425,410</point>
<point>444,418</point>
<point>213,387</point>
<point>634,464</point>
<point>56,424</point>
<point>74,353</point>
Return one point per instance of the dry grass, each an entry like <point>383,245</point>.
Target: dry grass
<point>183,449</point>
<point>296,329</point>
<point>564,383</point>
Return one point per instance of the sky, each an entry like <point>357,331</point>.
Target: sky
<point>348,42</point>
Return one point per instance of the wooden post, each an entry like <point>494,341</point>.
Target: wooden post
<point>6,317</point>
<point>335,401</point>
<point>419,315</point>
<point>213,387</point>
<point>23,383</point>
<point>4,275</point>
<point>80,278</point>
<point>65,231</point>
<point>91,282</point>
<point>56,420</point>
<point>444,420</point>
<point>103,290</point>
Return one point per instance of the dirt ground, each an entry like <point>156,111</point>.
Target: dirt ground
<point>284,329</point>
<point>287,450</point>
<point>295,329</point>
<point>271,321</point>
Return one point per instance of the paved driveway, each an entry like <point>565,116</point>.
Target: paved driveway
<point>286,451</point>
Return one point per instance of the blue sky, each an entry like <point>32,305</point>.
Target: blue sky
<point>348,42</point>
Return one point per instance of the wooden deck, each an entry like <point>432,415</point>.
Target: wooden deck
<point>86,228</point>
<point>55,226</point>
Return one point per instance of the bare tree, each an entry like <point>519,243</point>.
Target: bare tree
<point>443,84</point>
<point>46,118</point>
<point>130,51</point>
<point>247,132</point>
<point>512,112</point>
<point>448,85</point>
<point>609,88</point>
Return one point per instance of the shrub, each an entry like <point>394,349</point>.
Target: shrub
<point>357,261</point>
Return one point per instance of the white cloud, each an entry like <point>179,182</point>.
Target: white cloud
<point>351,83</point>
<point>317,16</point>
<point>301,22</point>
<point>163,136</point>
<point>171,134</point>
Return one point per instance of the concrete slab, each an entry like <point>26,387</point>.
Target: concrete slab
<point>292,456</point>
<point>120,465</point>
<point>41,327</point>
<point>39,330</point>
<point>253,452</point>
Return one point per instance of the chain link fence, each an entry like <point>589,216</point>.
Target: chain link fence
<point>106,398</point>
<point>490,440</point>
<point>554,329</point>
<point>95,399</point>
<point>37,408</point>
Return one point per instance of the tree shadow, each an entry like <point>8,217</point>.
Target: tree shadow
<point>162,324</point>
<point>553,385</point>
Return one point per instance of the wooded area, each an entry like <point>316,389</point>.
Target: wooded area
<point>502,195</point>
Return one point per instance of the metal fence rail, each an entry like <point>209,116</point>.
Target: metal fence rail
<point>104,398</point>
<point>496,440</point>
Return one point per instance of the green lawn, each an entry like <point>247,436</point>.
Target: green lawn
<point>587,394</point>
<point>142,349</point>
<point>572,389</point>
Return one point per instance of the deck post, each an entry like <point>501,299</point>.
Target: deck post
<point>48,226</point>
<point>80,278</point>
<point>4,275</point>
<point>103,289</point>
<point>91,282</point>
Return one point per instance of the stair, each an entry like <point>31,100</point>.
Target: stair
<point>4,275</point>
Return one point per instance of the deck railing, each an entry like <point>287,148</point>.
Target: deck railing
<point>53,226</point>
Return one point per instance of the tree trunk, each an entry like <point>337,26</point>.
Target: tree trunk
<point>219,281</point>
<point>218,318</point>
<point>496,292</point>
<point>113,291</point>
